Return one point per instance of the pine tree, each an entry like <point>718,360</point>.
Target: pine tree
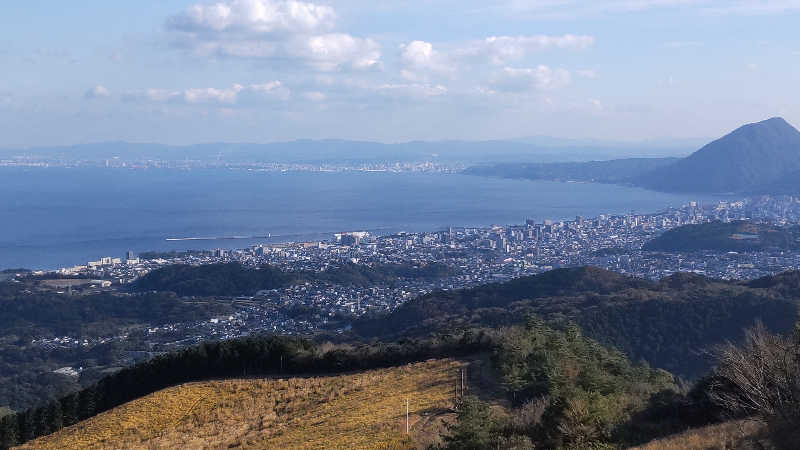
<point>69,409</point>
<point>55,417</point>
<point>9,432</point>
<point>27,425</point>
<point>474,429</point>
<point>86,403</point>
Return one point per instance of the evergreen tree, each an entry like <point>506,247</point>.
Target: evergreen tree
<point>55,418</point>
<point>27,425</point>
<point>474,429</point>
<point>69,409</point>
<point>41,421</point>
<point>9,432</point>
<point>86,403</point>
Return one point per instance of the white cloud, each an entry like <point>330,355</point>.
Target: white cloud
<point>420,54</point>
<point>503,49</point>
<point>156,95</point>
<point>332,51</point>
<point>212,95</point>
<point>97,92</point>
<point>315,96</point>
<point>415,90</point>
<point>254,17</point>
<point>596,105</point>
<point>235,94</point>
<point>421,60</point>
<point>281,30</point>
<point>273,89</point>
<point>540,77</point>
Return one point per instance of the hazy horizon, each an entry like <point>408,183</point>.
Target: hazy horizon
<point>677,144</point>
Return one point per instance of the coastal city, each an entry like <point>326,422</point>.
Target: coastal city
<point>395,166</point>
<point>311,224</point>
<point>474,256</point>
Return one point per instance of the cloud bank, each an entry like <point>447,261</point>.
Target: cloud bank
<point>290,32</point>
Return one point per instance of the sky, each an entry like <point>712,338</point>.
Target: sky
<point>184,71</point>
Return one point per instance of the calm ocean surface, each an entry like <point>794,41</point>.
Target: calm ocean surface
<point>57,217</point>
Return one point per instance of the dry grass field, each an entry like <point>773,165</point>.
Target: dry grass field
<point>725,436</point>
<point>364,410</point>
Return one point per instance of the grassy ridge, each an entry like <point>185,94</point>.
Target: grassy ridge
<point>364,410</point>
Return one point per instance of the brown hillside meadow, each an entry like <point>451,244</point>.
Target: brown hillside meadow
<point>357,411</point>
<point>738,435</point>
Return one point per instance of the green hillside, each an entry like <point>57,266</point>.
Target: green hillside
<point>666,323</point>
<point>737,236</point>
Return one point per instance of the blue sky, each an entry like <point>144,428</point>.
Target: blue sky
<point>177,71</point>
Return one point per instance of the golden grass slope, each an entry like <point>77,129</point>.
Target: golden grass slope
<point>358,411</point>
<point>740,435</point>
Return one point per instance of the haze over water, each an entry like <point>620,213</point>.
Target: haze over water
<point>58,217</point>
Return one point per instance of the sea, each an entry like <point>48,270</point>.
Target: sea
<point>52,217</point>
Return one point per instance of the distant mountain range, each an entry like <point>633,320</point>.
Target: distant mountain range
<point>331,150</point>
<point>758,158</point>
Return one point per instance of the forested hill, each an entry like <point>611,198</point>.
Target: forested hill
<point>757,158</point>
<point>737,236</point>
<point>213,279</point>
<point>749,158</point>
<point>539,373</point>
<point>666,323</point>
<point>231,279</point>
<point>613,171</point>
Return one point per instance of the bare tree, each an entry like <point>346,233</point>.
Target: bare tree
<point>761,379</point>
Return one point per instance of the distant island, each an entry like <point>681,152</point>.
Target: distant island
<point>612,171</point>
<point>737,236</point>
<point>757,158</point>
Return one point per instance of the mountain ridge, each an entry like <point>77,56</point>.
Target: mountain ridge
<point>691,310</point>
<point>315,150</point>
<point>752,156</point>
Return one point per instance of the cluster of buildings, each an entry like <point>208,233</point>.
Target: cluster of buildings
<point>475,255</point>
<point>102,263</point>
<point>424,165</point>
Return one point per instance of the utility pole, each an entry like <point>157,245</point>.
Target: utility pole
<point>406,416</point>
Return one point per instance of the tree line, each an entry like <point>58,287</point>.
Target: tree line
<point>668,323</point>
